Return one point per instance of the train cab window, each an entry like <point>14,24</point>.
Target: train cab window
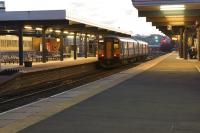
<point>101,49</point>
<point>101,45</point>
<point>116,46</point>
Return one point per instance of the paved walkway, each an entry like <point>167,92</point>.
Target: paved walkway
<point>160,96</point>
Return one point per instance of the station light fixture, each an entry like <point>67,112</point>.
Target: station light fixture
<point>71,33</point>
<point>172,7</point>
<point>101,40</point>
<point>50,30</point>
<point>88,35</point>
<point>28,27</point>
<point>174,38</point>
<point>38,28</point>
<point>57,31</point>
<point>57,39</point>
<point>9,31</point>
<point>65,32</point>
<point>70,36</point>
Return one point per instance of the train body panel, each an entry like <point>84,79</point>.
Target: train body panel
<point>114,51</point>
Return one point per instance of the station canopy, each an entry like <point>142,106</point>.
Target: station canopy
<point>169,15</point>
<point>56,20</point>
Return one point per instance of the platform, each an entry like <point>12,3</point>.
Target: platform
<point>159,96</point>
<point>37,67</point>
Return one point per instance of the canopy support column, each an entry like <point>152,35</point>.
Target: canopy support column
<point>21,51</point>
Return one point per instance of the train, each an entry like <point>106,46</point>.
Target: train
<point>114,51</point>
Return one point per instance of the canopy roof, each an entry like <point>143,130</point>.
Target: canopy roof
<point>165,14</point>
<point>57,19</point>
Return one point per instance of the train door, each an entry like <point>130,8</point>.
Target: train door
<point>127,49</point>
<point>142,49</point>
<point>121,50</point>
<point>101,47</point>
<point>108,48</point>
<point>116,49</point>
<point>138,46</point>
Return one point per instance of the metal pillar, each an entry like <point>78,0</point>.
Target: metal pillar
<point>44,48</point>
<point>61,46</point>
<point>85,46</point>
<point>75,46</point>
<point>181,44</point>
<point>185,44</point>
<point>21,51</point>
<point>198,43</point>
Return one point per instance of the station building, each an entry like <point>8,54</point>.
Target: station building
<point>41,36</point>
<point>179,19</point>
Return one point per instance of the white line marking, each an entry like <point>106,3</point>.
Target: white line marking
<point>198,69</point>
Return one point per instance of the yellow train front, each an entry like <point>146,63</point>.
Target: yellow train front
<point>114,51</point>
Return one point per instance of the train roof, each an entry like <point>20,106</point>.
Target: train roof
<point>142,42</point>
<point>126,39</point>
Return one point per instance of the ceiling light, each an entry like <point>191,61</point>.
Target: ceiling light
<point>9,31</point>
<point>39,29</point>
<point>28,27</point>
<point>57,31</point>
<point>50,30</point>
<point>172,7</point>
<point>57,39</point>
<point>174,38</point>
<point>65,32</point>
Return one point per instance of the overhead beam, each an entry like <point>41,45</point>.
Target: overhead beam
<point>175,30</point>
<point>172,23</point>
<point>36,23</point>
<point>168,13</point>
<point>172,19</point>
<point>144,3</point>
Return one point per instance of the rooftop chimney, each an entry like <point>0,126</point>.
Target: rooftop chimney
<point>2,6</point>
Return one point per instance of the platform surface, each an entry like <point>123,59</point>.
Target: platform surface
<point>160,96</point>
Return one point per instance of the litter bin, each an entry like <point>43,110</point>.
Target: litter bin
<point>28,63</point>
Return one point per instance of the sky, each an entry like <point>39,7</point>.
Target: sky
<point>113,13</point>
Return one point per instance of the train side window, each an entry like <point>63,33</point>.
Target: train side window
<point>101,46</point>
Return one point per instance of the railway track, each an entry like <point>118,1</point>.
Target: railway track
<point>36,93</point>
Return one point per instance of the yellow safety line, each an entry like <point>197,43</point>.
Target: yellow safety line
<point>197,67</point>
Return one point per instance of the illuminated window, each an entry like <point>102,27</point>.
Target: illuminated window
<point>116,46</point>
